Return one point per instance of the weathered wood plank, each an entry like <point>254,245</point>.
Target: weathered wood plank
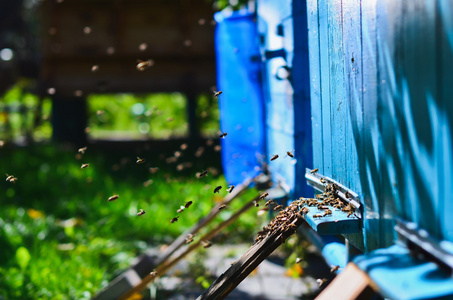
<point>259,251</point>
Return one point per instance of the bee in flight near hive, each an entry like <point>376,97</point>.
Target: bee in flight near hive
<point>321,281</point>
<point>140,160</point>
<point>11,178</point>
<point>230,189</point>
<point>274,157</point>
<point>188,203</point>
<point>141,212</point>
<point>206,244</point>
<point>82,150</point>
<point>334,269</point>
<point>180,210</point>
<point>113,198</point>
<point>223,135</point>
<point>142,65</point>
<point>263,196</point>
<point>314,171</point>
<point>290,153</point>
<point>278,207</point>
<point>84,166</point>
<point>174,219</point>
<point>153,273</point>
<point>217,189</point>
<point>217,94</point>
<point>203,174</point>
<point>269,202</point>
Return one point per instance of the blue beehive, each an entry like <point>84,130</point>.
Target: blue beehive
<point>241,103</point>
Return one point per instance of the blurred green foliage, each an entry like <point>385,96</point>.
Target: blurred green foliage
<point>61,239</point>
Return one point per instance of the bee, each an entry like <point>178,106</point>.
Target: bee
<point>317,216</point>
<point>263,196</point>
<point>140,160</point>
<point>347,194</point>
<point>141,212</point>
<point>334,269</point>
<point>154,273</point>
<point>269,202</point>
<point>188,204</point>
<point>82,150</point>
<point>274,157</point>
<point>327,212</point>
<point>223,135</point>
<point>113,198</point>
<point>174,219</point>
<point>230,189</point>
<point>207,244</point>
<point>9,177</point>
<point>278,207</point>
<point>142,65</point>
<point>298,260</point>
<point>314,171</point>
<point>322,180</point>
<point>84,166</point>
<point>290,153</point>
<point>189,240</point>
<point>256,203</point>
<point>321,281</point>
<point>153,170</point>
<point>305,210</point>
<point>203,174</point>
<point>217,94</point>
<point>180,210</point>
<point>222,206</point>
<point>217,189</point>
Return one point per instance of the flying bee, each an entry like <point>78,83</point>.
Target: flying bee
<point>334,269</point>
<point>189,240</point>
<point>298,260</point>
<point>188,203</point>
<point>207,244</point>
<point>263,196</point>
<point>230,189</point>
<point>274,157</point>
<point>154,273</point>
<point>290,153</point>
<point>314,171</point>
<point>217,94</point>
<point>203,174</point>
<point>84,166</point>
<point>222,206</point>
<point>139,160</point>
<point>223,135</point>
<point>278,207</point>
<point>180,210</point>
<point>174,219</point>
<point>256,203</point>
<point>217,189</point>
<point>141,212</point>
<point>153,170</point>
<point>113,198</point>
<point>9,177</point>
<point>269,202</point>
<point>82,150</point>
<point>94,68</point>
<point>321,281</point>
<point>142,65</point>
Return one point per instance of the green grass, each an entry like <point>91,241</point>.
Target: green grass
<point>61,239</point>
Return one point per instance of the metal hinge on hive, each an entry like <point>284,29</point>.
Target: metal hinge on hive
<point>338,222</point>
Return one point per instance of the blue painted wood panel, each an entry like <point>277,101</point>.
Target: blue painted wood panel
<point>382,114</point>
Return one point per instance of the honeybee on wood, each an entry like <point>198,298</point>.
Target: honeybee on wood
<point>347,194</point>
<point>230,189</point>
<point>305,210</point>
<point>188,204</point>
<point>321,281</point>
<point>217,189</point>
<point>274,157</point>
<point>84,166</point>
<point>334,268</point>
<point>223,135</point>
<point>269,202</point>
<point>314,171</point>
<point>263,196</point>
<point>141,212</point>
<point>174,219</point>
<point>203,174</point>
<point>82,150</point>
<point>206,244</point>
<point>327,213</point>
<point>322,180</point>
<point>278,207</point>
<point>317,216</point>
<point>140,160</point>
<point>142,65</point>
<point>222,206</point>
<point>217,94</point>
<point>113,198</point>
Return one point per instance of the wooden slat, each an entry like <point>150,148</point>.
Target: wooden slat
<point>248,262</point>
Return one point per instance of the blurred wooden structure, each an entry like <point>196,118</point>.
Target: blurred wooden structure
<point>178,36</point>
